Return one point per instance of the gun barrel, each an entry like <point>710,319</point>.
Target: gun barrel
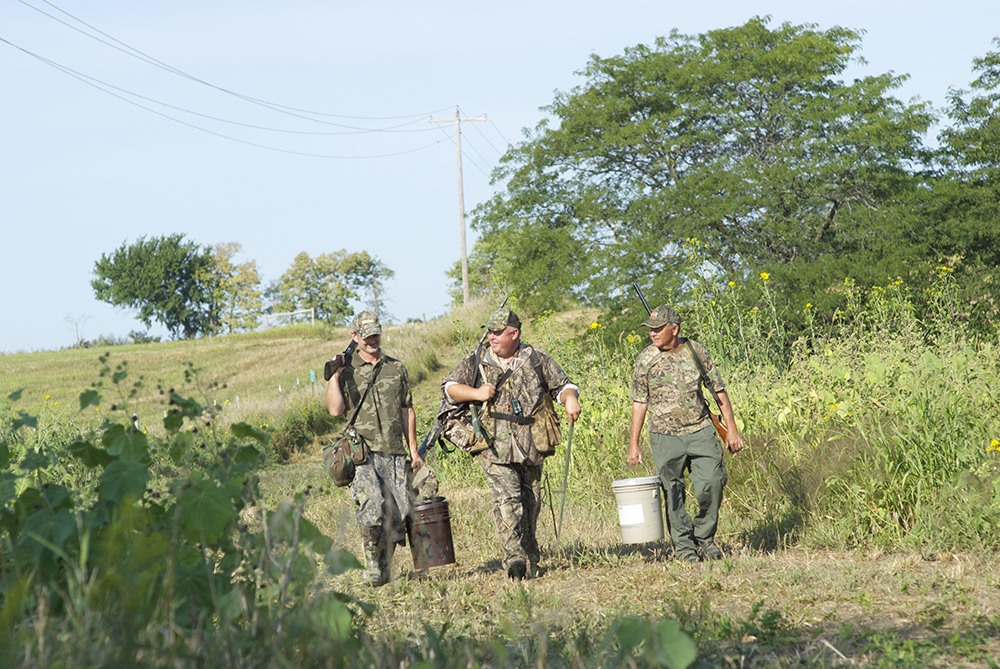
<point>638,292</point>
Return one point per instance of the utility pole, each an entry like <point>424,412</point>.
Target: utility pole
<point>461,194</point>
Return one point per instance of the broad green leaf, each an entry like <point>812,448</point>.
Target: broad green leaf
<point>25,419</point>
<point>181,444</point>
<point>674,648</point>
<point>123,481</point>
<point>246,456</point>
<point>125,443</point>
<point>89,454</point>
<point>245,431</point>
<point>205,508</point>
<point>631,632</point>
<point>309,533</point>
<point>89,398</point>
<point>173,421</point>
<point>34,460</point>
<point>340,560</point>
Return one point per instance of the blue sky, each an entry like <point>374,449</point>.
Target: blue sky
<point>83,170</point>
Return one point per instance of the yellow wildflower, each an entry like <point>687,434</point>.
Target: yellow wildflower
<point>994,445</point>
<point>765,276</point>
<point>732,284</point>
<point>595,325</point>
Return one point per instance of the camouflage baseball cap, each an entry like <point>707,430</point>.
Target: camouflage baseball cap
<point>661,316</point>
<point>501,318</point>
<point>366,324</point>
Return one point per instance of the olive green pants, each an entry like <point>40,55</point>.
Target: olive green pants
<point>700,454</point>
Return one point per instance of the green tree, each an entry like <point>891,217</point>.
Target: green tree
<point>166,279</point>
<point>329,283</point>
<point>237,298</point>
<point>965,203</point>
<point>747,139</point>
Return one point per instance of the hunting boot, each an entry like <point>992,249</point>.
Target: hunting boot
<point>376,562</point>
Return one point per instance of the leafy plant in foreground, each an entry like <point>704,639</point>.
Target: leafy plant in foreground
<point>191,569</point>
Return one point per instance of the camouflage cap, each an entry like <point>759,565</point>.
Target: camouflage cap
<point>502,318</point>
<point>661,316</point>
<point>366,324</point>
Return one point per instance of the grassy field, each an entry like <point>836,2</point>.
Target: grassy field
<point>860,526</point>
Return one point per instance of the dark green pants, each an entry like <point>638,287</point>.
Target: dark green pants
<point>700,454</point>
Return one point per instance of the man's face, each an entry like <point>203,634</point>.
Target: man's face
<point>665,336</point>
<point>369,344</point>
<point>504,342</point>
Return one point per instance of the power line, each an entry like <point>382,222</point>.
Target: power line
<point>99,85</point>
<point>144,57</point>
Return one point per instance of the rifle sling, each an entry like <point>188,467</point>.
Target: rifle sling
<point>536,364</point>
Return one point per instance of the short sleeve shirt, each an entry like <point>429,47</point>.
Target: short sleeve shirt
<point>380,420</point>
<point>670,384</point>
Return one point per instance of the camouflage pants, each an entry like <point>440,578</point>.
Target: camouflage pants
<point>701,454</point>
<point>381,493</point>
<point>517,495</point>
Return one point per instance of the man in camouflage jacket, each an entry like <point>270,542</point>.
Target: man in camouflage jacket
<point>667,386</point>
<point>516,387</point>
<point>387,423</point>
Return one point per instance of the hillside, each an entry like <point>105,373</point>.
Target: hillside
<point>789,593</point>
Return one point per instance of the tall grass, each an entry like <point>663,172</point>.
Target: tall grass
<point>872,431</point>
<point>875,430</point>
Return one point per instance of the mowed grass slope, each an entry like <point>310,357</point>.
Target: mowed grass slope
<point>794,599</point>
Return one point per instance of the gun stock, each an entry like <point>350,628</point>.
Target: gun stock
<point>338,361</point>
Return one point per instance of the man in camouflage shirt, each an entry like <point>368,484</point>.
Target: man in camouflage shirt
<point>387,423</point>
<point>667,387</point>
<point>516,386</point>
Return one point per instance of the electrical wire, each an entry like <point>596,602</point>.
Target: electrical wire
<point>142,56</point>
<point>96,83</point>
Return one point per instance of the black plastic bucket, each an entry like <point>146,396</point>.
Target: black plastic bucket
<point>430,534</point>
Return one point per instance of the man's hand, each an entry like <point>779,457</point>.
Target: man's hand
<point>333,366</point>
<point>485,392</point>
<point>634,454</point>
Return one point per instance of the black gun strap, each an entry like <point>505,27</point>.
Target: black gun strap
<point>536,364</point>
<point>357,409</point>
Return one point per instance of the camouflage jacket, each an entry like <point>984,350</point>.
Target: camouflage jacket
<point>380,420</point>
<point>670,384</point>
<point>513,440</point>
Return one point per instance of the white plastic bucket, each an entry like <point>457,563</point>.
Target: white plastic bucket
<point>639,511</point>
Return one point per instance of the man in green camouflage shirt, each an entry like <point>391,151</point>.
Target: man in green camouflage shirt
<point>667,387</point>
<point>387,423</point>
<point>517,387</point>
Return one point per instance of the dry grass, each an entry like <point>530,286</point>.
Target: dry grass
<point>790,607</point>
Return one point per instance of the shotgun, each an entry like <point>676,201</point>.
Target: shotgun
<point>338,361</point>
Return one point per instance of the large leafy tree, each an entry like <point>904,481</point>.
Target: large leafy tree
<point>236,295</point>
<point>166,279</point>
<point>972,150</point>
<point>329,283</point>
<point>747,139</point>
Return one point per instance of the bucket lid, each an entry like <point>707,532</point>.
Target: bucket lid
<point>431,503</point>
<point>641,481</point>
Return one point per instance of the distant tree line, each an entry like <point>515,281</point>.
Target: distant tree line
<point>749,143</point>
<point>194,290</point>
